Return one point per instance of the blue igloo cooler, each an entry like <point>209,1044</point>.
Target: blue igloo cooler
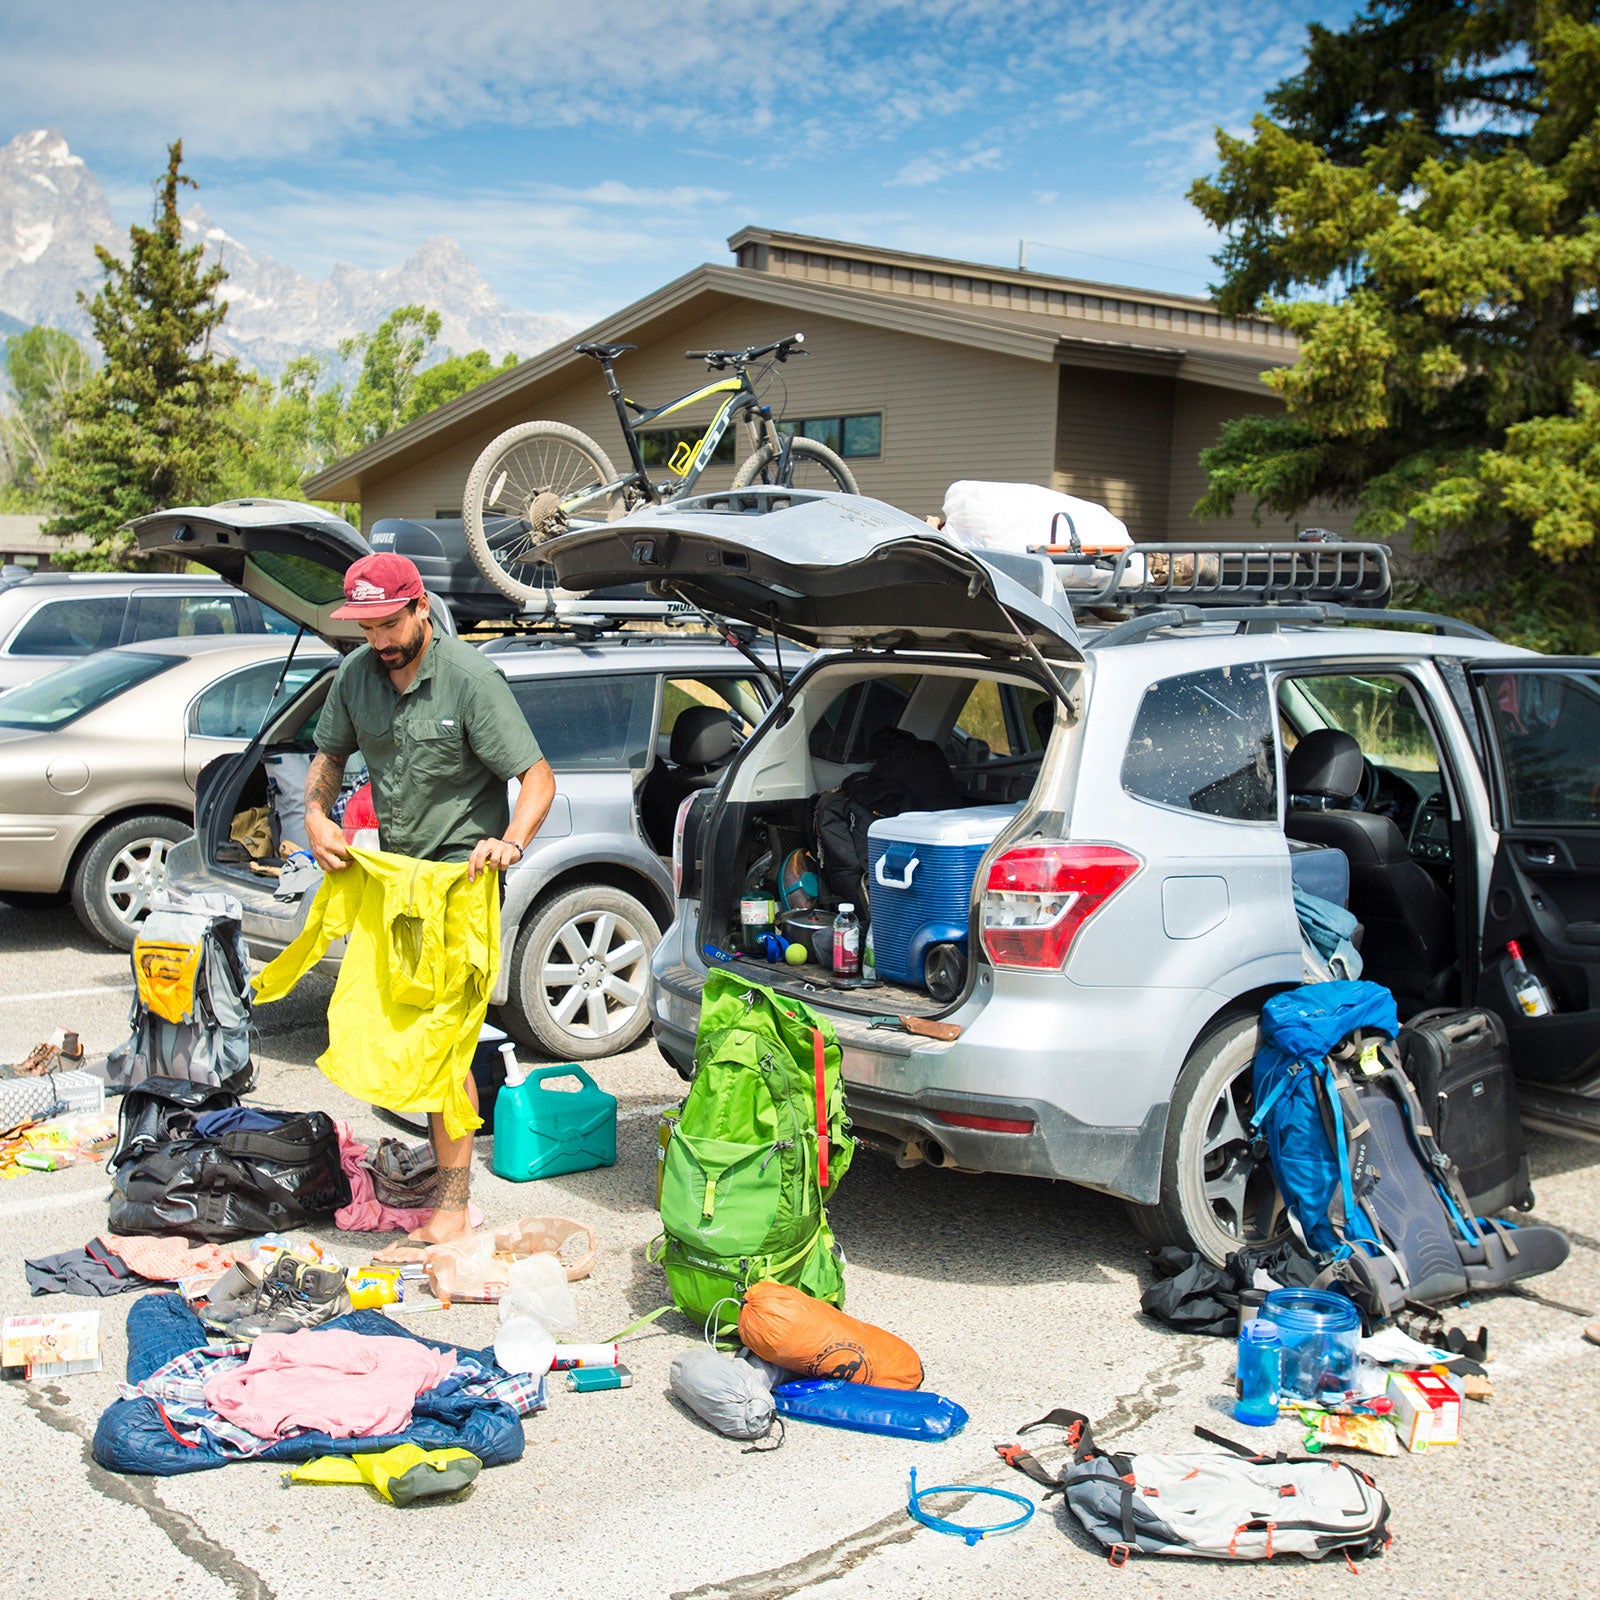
<point>920,867</point>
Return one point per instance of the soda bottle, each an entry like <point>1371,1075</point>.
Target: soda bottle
<point>1530,993</point>
<point>846,943</point>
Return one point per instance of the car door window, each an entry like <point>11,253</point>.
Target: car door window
<point>171,616</point>
<point>234,707</point>
<point>76,627</point>
<point>1206,742</point>
<point>1547,729</point>
<point>1380,713</point>
<point>590,723</point>
<point>737,696</point>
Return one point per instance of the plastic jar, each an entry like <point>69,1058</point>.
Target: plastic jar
<point>1321,1333</point>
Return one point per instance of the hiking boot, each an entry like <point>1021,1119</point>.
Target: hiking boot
<point>296,1294</point>
<point>232,1296</point>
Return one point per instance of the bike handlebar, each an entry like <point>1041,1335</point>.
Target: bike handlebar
<point>781,348</point>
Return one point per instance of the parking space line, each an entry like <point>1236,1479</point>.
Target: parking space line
<point>64,994</point>
<point>51,1202</point>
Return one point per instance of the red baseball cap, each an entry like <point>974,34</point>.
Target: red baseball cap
<point>378,586</point>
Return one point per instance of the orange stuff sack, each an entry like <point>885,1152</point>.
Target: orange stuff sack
<point>793,1331</point>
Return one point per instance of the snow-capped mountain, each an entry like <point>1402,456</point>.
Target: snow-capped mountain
<point>53,212</point>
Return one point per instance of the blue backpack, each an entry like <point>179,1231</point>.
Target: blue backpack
<point>1366,1186</point>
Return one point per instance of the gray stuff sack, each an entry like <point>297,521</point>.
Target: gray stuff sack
<point>731,1396</point>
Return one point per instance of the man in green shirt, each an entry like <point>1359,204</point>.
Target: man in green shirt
<point>442,736</point>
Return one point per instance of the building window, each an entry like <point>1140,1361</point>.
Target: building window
<point>657,445</point>
<point>851,437</point>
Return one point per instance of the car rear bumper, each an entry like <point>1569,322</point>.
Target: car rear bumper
<point>1094,1103</point>
<point>35,852</point>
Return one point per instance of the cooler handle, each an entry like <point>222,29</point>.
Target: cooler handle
<point>903,882</point>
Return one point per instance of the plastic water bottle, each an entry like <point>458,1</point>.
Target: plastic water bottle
<point>1260,1356</point>
<point>869,966</point>
<point>846,943</point>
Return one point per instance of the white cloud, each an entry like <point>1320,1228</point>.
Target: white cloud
<point>936,165</point>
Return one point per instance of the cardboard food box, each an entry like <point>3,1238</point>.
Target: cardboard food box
<point>1427,1409</point>
<point>51,1344</point>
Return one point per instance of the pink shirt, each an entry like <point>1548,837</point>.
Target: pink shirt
<point>350,1385</point>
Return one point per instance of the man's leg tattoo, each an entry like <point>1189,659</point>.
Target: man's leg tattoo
<point>454,1184</point>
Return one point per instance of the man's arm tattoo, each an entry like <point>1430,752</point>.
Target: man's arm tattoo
<point>322,783</point>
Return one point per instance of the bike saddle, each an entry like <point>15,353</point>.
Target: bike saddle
<point>603,352</point>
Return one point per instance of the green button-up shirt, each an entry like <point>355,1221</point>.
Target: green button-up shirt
<point>439,755</point>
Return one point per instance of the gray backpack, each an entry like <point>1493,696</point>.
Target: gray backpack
<point>1239,1507</point>
<point>191,998</point>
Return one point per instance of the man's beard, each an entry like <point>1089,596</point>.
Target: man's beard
<point>402,655</point>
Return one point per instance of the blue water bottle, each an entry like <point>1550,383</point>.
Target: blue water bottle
<point>1260,1358</point>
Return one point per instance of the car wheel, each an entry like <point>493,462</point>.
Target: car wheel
<point>580,974</point>
<point>1217,1193</point>
<point>120,872</point>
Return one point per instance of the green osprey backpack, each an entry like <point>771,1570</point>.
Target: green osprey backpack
<point>760,1143</point>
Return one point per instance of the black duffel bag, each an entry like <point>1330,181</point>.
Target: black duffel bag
<point>234,1186</point>
<point>158,1111</point>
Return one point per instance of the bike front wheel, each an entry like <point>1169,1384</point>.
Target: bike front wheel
<point>810,466</point>
<point>534,481</point>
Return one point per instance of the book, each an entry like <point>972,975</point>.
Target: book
<point>50,1344</point>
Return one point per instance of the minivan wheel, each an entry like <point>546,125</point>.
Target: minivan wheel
<point>1216,1195</point>
<point>119,874</point>
<point>580,974</point>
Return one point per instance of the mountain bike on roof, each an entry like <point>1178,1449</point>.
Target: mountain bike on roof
<point>541,479</point>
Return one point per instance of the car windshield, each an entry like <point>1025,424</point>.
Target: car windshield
<point>61,696</point>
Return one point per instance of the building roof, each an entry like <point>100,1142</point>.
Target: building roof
<point>1031,316</point>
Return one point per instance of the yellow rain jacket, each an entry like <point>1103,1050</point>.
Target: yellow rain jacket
<point>413,989</point>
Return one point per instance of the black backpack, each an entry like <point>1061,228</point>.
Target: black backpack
<point>167,1179</point>
<point>907,774</point>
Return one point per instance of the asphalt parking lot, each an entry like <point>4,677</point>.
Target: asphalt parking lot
<point>1019,1296</point>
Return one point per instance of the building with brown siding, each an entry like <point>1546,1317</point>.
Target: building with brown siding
<point>923,370</point>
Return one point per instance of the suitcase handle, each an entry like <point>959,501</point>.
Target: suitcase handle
<point>1469,1026</point>
<point>903,882</point>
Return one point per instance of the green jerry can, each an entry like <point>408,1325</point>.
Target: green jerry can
<point>541,1132</point>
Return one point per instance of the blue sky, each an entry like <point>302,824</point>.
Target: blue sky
<point>585,153</point>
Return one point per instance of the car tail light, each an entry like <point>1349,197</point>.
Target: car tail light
<point>680,822</point>
<point>961,1119</point>
<point>1039,895</point>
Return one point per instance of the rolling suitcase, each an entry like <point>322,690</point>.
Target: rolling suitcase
<point>1459,1065</point>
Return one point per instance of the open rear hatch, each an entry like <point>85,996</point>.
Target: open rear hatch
<point>291,557</point>
<point>830,571</point>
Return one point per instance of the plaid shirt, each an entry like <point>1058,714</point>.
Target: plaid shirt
<point>179,1391</point>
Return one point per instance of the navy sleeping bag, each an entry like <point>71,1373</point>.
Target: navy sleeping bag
<point>133,1437</point>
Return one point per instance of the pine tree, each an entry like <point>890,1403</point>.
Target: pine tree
<point>1422,208</point>
<point>154,425</point>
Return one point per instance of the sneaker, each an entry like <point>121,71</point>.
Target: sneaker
<point>296,1294</point>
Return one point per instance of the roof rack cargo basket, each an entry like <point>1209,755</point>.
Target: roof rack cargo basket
<point>1200,574</point>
